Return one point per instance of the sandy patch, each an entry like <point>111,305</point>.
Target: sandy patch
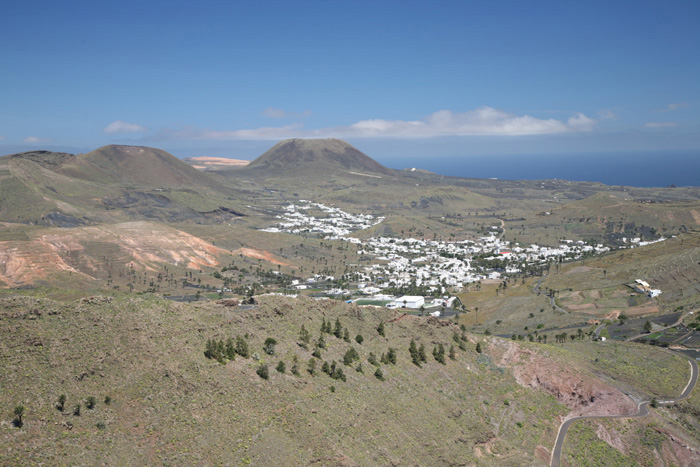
<point>259,254</point>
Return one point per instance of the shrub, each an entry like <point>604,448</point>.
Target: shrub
<point>19,413</point>
<point>101,425</point>
<point>359,339</point>
<point>281,367</point>
<point>90,402</point>
<point>380,329</point>
<point>263,372</point>
<point>76,410</point>
<point>478,347</point>
<point>379,374</point>
<point>108,400</point>
<point>61,402</point>
<point>269,346</point>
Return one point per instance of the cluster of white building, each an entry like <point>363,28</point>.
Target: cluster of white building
<point>333,223</point>
<point>424,263</point>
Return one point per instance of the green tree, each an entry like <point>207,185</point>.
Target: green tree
<point>269,346</point>
<point>350,356</point>
<point>61,402</point>
<point>230,349</point>
<point>338,330</point>
<point>281,367</point>
<point>452,352</point>
<point>439,353</point>
<point>421,354</point>
<point>372,359</point>
<point>346,335</point>
<point>19,414</point>
<point>391,356</point>
<point>359,339</point>
<point>242,347</point>
<point>311,368</point>
<point>321,342</point>
<point>380,329</point>
<point>413,350</point>
<point>478,347</point>
<point>304,337</point>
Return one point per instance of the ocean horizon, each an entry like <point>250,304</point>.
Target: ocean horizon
<point>639,169</point>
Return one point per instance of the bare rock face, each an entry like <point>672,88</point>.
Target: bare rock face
<point>583,394</point>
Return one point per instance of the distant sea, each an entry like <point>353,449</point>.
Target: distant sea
<point>641,169</point>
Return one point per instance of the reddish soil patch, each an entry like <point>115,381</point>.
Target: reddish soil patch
<point>583,394</point>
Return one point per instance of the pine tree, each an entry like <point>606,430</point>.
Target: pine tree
<point>380,329</point>
<point>242,347</point>
<point>338,331</point>
<point>321,342</point>
<point>61,402</point>
<point>372,359</point>
<point>326,368</point>
<point>323,325</point>
<point>230,349</point>
<point>346,335</point>
<point>421,354</point>
<point>452,352</point>
<point>415,358</point>
<point>281,367</point>
<point>391,356</point>
<point>439,353</point>
<point>304,337</point>
<point>312,366</point>
<point>478,347</point>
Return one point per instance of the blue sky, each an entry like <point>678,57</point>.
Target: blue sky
<point>393,78</point>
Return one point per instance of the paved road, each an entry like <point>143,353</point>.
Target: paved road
<point>642,411</point>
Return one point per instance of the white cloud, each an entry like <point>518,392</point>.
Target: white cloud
<point>36,140</point>
<point>273,112</point>
<point>481,121</point>
<point>123,127</point>
<point>659,124</point>
<point>607,115</point>
<point>674,106</point>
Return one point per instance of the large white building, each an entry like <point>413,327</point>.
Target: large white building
<point>408,301</point>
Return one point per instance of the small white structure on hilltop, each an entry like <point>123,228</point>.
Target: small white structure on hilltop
<point>409,301</point>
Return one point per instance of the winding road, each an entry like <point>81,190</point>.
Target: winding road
<point>642,411</point>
